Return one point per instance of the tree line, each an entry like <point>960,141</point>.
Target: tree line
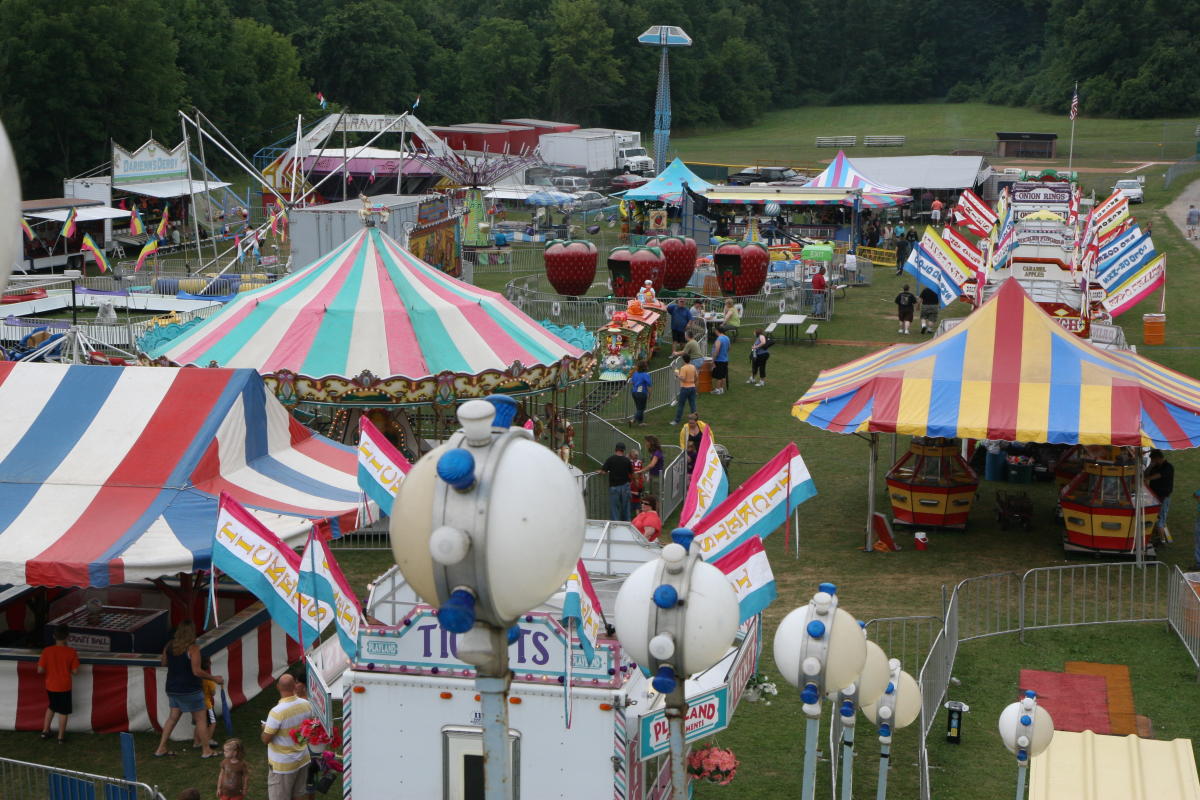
<point>75,74</point>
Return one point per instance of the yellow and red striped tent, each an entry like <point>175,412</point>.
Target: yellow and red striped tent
<point>1009,372</point>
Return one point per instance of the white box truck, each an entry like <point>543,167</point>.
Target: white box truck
<point>411,716</point>
<point>597,151</point>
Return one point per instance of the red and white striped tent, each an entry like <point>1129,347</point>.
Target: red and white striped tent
<point>109,479</point>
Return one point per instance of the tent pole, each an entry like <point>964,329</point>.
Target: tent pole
<point>872,460</point>
<point>1139,514</point>
<point>183,120</point>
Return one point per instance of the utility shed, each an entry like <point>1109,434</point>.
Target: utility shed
<point>1026,145</point>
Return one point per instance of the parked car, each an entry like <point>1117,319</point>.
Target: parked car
<point>627,181</point>
<point>763,175</point>
<point>590,201</point>
<point>570,183</point>
<point>1131,188</point>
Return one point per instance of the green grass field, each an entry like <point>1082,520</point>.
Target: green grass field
<point>754,423</point>
<point>789,136</point>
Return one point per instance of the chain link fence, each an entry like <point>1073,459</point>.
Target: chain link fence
<point>1180,168</point>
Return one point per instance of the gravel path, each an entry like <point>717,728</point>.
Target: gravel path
<point>1177,210</point>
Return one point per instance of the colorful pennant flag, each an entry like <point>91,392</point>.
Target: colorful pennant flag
<point>709,484</point>
<point>161,231</point>
<point>68,227</point>
<point>758,507</point>
<point>322,101</point>
<point>90,246</point>
<point>1137,287</point>
<point>972,212</point>
<point>750,575</point>
<point>150,247</point>
<point>321,578</point>
<point>371,178</point>
<point>581,605</point>
<point>1126,263</point>
<point>951,265</point>
<point>136,226</point>
<point>962,247</point>
<point>245,550</point>
<point>1075,104</point>
<point>28,231</point>
<point>381,466</point>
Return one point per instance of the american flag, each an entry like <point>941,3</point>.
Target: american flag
<point>1075,104</point>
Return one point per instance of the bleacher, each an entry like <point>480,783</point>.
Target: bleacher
<point>884,141</point>
<point>837,141</point>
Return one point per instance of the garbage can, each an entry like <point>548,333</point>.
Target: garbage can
<point>993,467</point>
<point>1020,472</point>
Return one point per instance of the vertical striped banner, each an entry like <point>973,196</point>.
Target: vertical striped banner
<point>347,739</point>
<point>620,751</point>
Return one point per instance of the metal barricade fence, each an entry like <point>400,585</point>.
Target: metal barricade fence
<point>497,260</point>
<point>1093,594</point>
<point>21,780</point>
<point>987,605</point>
<point>1183,614</point>
<point>906,638</point>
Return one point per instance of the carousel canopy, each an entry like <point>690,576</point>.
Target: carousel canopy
<point>668,184</point>
<point>369,305</point>
<point>112,474</point>
<point>842,174</point>
<point>1009,372</point>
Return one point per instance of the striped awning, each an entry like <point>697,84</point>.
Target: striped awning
<point>1009,372</point>
<point>111,474</point>
<point>842,174</point>
<point>370,305</point>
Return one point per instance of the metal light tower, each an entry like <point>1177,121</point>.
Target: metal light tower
<point>664,36</point>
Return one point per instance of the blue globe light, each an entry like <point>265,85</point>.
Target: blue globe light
<point>457,615</point>
<point>891,687</point>
<point>514,633</point>
<point>809,693</point>
<point>666,596</point>
<point>885,730</point>
<point>1022,755</point>
<point>815,629</point>
<point>1030,693</point>
<point>683,537</point>
<point>1026,719</point>
<point>457,468</point>
<point>828,588</point>
<point>847,708</point>
<point>664,680</point>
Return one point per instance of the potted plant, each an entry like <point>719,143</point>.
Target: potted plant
<point>713,764</point>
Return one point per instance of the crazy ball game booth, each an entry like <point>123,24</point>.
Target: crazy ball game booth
<point>109,483</point>
<point>1008,372</point>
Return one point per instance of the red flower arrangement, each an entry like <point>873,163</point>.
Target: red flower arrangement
<point>312,732</point>
<point>713,764</point>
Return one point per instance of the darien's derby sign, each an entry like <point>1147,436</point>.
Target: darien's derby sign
<point>538,654</point>
<point>150,163</point>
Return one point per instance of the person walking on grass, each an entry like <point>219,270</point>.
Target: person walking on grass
<point>759,353</point>
<point>906,301</point>
<point>1160,477</point>
<point>184,687</point>
<point>640,384</point>
<point>680,317</point>
<point>59,662</point>
<point>1193,221</point>
<point>819,291</point>
<point>720,357</point>
<point>930,303</point>
<point>619,469</point>
<point>687,387</point>
<point>653,467</point>
<point>234,777</point>
<point>288,760</point>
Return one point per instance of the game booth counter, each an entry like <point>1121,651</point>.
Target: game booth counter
<point>1009,372</point>
<point>109,484</point>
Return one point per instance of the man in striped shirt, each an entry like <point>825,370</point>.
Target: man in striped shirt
<point>288,760</point>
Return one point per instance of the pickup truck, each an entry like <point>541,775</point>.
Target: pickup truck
<point>1131,188</point>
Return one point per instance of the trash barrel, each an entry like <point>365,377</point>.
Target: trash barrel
<point>704,379</point>
<point>1154,328</point>
<point>993,467</point>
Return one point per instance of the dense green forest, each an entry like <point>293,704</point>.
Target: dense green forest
<point>76,73</point>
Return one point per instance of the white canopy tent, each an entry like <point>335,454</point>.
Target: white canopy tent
<point>85,214</point>
<point>169,189</point>
<point>926,172</point>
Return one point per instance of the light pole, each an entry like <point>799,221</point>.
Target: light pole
<point>10,208</point>
<point>865,691</point>
<point>1026,730</point>
<point>819,649</point>
<point>74,275</point>
<point>898,707</point>
<point>676,616</point>
<point>488,526</point>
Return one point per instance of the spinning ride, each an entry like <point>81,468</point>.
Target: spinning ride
<point>1100,505</point>
<point>932,484</point>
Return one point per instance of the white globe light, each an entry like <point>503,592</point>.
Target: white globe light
<point>907,707</point>
<point>533,525</point>
<point>1011,730</point>
<point>847,649</point>
<point>712,616</point>
<point>662,647</point>
<point>449,545</point>
<point>10,209</point>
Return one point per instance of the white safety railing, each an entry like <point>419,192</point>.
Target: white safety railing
<point>21,780</point>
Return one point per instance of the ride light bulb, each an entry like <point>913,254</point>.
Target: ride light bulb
<point>449,545</point>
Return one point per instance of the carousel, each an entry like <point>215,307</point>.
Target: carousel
<point>1009,372</point>
<point>370,326</point>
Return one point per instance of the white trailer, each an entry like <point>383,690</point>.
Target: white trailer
<point>411,715</point>
<point>596,150</point>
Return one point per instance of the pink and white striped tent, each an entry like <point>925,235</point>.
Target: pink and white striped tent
<point>842,174</point>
